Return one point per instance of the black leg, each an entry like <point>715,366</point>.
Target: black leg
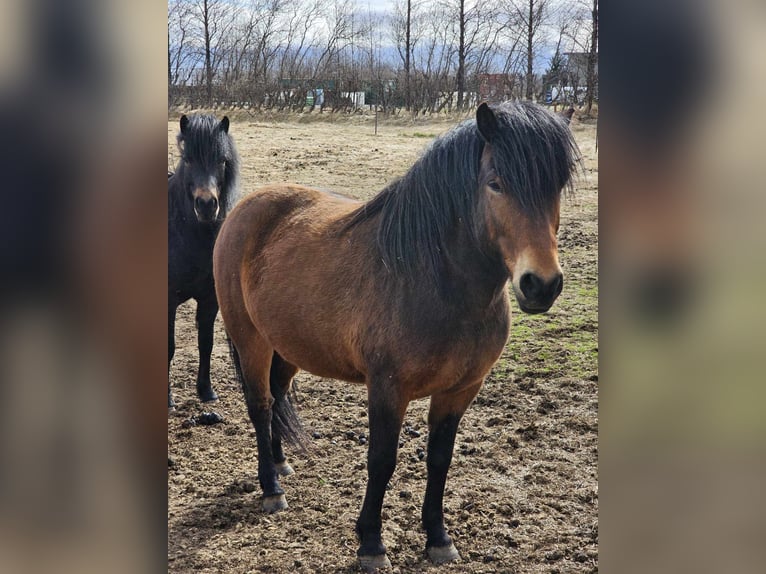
<point>207,309</point>
<point>386,416</point>
<point>443,418</point>
<point>441,441</point>
<point>280,378</point>
<point>254,357</point>
<point>171,346</point>
<point>273,495</point>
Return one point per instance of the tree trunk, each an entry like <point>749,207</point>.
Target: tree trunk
<point>592,56</point>
<point>170,74</point>
<point>530,37</point>
<point>461,58</point>
<point>407,99</point>
<point>208,62</point>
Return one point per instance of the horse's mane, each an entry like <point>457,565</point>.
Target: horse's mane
<point>205,144</point>
<point>534,153</point>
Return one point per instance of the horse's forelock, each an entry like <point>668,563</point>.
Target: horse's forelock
<point>535,154</point>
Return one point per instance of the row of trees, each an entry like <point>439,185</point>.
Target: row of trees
<point>422,55</point>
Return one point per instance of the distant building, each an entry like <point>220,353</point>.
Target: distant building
<point>566,82</point>
<point>576,65</point>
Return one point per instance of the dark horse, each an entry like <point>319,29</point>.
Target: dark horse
<point>407,293</point>
<point>200,193</point>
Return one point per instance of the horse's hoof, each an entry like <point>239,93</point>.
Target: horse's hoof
<point>374,563</point>
<point>272,504</point>
<point>208,396</point>
<point>442,554</point>
<point>284,469</point>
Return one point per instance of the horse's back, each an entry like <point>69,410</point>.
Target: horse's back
<point>277,209</point>
<point>282,269</point>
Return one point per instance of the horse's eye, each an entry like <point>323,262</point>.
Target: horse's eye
<point>494,185</point>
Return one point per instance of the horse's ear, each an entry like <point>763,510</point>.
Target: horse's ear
<point>486,122</point>
<point>225,124</point>
<point>184,123</point>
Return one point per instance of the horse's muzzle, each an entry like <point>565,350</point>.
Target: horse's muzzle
<point>206,209</point>
<point>537,295</point>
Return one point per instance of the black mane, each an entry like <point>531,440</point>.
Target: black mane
<point>534,154</point>
<point>205,145</point>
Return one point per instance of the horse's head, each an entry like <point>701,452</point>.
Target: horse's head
<point>528,158</point>
<point>208,163</point>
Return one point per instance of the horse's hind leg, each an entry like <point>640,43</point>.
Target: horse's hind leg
<point>254,356</point>
<point>443,418</point>
<point>207,309</point>
<point>281,375</point>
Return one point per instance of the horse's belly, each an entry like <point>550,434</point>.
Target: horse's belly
<point>318,359</point>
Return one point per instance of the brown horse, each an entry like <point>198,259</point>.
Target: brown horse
<point>406,293</point>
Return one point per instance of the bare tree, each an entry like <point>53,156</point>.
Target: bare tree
<point>461,56</point>
<point>180,61</point>
<point>405,40</point>
<point>592,57</point>
<point>214,20</point>
<point>532,15</point>
<point>274,52</point>
<point>408,51</point>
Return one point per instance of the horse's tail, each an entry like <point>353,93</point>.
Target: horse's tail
<point>286,421</point>
<point>284,417</point>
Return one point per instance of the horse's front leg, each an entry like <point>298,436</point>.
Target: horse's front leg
<point>444,415</point>
<point>387,408</point>
<point>172,306</point>
<point>207,309</point>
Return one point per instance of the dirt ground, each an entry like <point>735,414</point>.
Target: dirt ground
<point>522,492</point>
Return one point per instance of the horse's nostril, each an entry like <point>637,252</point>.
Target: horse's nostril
<point>558,285</point>
<point>531,285</point>
<point>535,289</point>
<point>202,204</point>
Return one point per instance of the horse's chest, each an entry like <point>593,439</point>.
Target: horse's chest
<point>191,269</point>
<point>458,352</point>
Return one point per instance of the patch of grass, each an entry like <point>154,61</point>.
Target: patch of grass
<point>588,292</point>
<point>418,135</point>
<point>561,344</point>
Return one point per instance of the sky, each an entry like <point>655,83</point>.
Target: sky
<point>376,5</point>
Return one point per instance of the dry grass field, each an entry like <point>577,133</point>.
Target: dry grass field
<point>522,492</point>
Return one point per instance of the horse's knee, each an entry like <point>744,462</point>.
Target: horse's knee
<point>439,459</point>
<point>381,463</point>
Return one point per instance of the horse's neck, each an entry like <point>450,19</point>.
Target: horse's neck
<point>473,272</point>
